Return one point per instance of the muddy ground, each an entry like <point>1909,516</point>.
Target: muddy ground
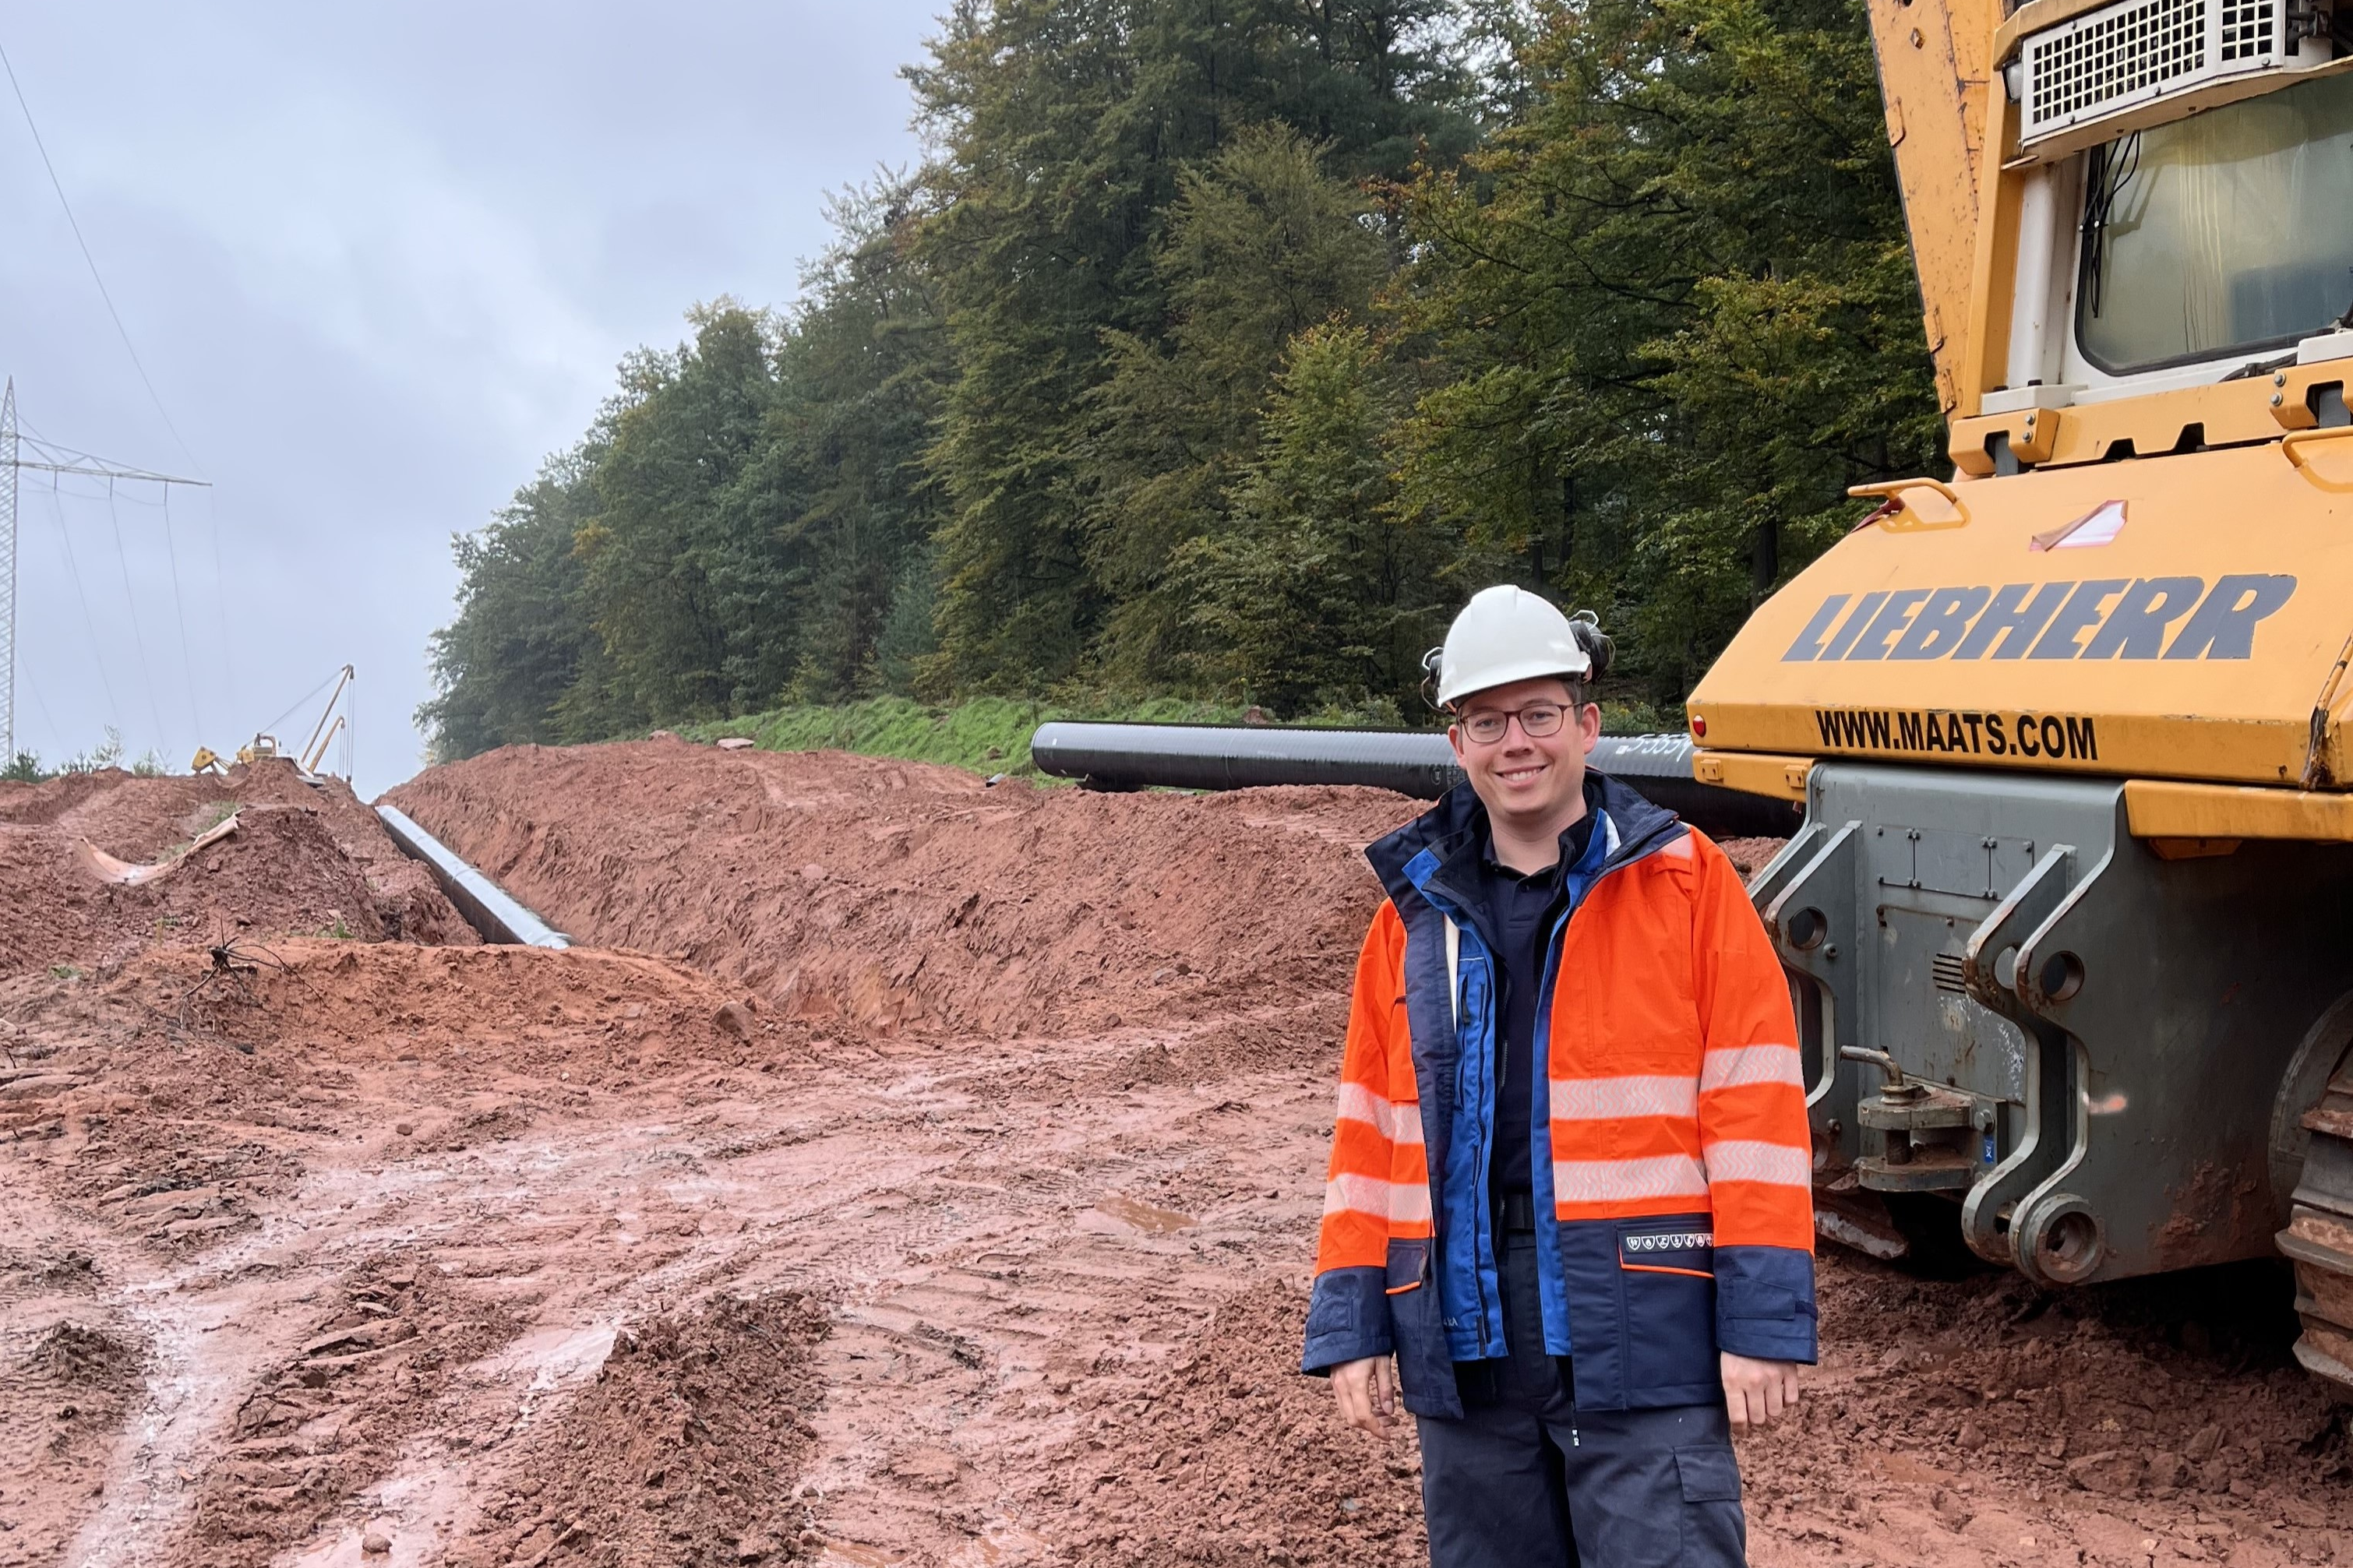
<point>915,1173</point>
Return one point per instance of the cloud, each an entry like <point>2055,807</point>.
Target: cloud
<point>379,263</point>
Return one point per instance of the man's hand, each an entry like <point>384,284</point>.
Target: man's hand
<point>1367,1394</point>
<point>1756,1392</point>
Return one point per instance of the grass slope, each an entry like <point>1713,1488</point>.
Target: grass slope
<point>991,734</point>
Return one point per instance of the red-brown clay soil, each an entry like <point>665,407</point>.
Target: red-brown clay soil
<point>950,1200</point>
<point>897,895</point>
<point>304,858</point>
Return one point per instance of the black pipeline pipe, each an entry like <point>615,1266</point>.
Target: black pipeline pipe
<point>1416,763</point>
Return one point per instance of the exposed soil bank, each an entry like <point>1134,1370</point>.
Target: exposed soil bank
<point>304,858</point>
<point>892,895</point>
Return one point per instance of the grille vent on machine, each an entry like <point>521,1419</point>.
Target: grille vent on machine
<point>2123,56</point>
<point>1946,969</point>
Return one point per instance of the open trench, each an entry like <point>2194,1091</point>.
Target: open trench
<point>902,1172</point>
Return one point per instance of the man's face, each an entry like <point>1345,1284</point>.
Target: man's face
<point>1524,778</point>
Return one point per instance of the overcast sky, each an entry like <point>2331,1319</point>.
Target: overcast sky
<point>378,262</point>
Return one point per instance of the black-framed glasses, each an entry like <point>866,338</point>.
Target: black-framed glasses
<point>1537,719</point>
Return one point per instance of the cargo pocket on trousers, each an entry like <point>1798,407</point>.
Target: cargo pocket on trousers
<point>1715,1533</point>
<point>1425,1370</point>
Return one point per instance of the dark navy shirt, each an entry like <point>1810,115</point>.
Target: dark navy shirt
<point>1520,912</point>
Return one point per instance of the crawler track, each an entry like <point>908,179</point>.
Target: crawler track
<point>2319,1237</point>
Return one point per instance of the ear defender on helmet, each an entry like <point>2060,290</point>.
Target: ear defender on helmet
<point>1587,627</point>
<point>1432,663</point>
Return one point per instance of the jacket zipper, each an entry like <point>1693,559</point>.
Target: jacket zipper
<point>1483,1247</point>
<point>1541,1051</point>
<point>1482,1224</point>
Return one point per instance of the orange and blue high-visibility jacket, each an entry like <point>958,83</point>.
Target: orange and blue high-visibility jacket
<point>1672,1159</point>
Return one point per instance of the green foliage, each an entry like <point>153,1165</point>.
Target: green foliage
<point>983,735</point>
<point>1674,315</point>
<point>1320,584</point>
<point>1219,351</point>
<point>672,573</point>
<point>1072,132</point>
<point>25,767</point>
<point>1263,245</point>
<point>516,664</point>
<point>991,734</point>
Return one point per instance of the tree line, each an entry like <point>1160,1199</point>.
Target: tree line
<point>1223,347</point>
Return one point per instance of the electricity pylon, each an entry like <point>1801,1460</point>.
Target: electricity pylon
<point>11,464</point>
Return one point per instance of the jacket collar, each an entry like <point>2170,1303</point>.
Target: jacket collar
<point>1407,859</point>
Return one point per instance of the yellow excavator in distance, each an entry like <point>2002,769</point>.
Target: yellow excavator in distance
<point>264,745</point>
<point>2070,919</point>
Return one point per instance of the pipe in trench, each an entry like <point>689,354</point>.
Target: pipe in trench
<point>488,908</point>
<point>1413,763</point>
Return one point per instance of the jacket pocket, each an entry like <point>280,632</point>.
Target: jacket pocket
<point>1425,1369</point>
<point>1667,1277</point>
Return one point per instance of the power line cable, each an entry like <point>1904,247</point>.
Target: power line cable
<point>88,621</point>
<point>179,614</point>
<point>75,223</point>
<point>40,702</point>
<point>221,594</point>
<point>138,640</point>
<point>299,702</point>
<point>81,462</point>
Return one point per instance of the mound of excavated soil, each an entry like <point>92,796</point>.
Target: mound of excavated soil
<point>685,1449</point>
<point>304,858</point>
<point>65,1388</point>
<point>896,895</point>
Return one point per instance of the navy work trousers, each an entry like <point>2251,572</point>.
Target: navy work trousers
<point>1525,1479</point>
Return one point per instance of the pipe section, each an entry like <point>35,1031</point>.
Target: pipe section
<point>487,907</point>
<point>1416,763</point>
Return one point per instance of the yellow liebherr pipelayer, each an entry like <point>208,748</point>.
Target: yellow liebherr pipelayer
<point>2071,919</point>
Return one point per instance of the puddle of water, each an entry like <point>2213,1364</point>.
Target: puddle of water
<point>844,1554</point>
<point>552,1357</point>
<point>1143,1216</point>
<point>1000,1543</point>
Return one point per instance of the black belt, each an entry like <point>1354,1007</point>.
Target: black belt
<point>1516,1210</point>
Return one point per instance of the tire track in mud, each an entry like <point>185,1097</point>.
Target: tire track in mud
<point>993,1234</point>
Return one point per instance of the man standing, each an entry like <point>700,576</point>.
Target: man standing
<point>1570,1184</point>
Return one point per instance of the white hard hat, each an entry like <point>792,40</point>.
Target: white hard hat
<point>1506,634</point>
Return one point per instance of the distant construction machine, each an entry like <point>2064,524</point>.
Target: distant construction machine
<point>265,745</point>
<point>2070,919</point>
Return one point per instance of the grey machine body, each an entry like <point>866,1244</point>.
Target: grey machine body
<point>2098,1055</point>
